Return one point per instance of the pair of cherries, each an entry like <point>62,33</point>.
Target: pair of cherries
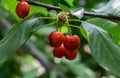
<point>64,45</point>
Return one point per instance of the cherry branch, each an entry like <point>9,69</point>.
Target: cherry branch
<point>92,14</point>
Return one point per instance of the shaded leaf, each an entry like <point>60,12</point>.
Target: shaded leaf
<point>103,23</point>
<point>105,51</point>
<point>53,74</point>
<point>112,7</point>
<point>64,8</point>
<point>81,71</point>
<point>78,12</point>
<point>15,38</point>
<point>115,33</point>
<point>35,9</point>
<point>111,27</point>
<point>83,33</point>
<point>11,6</point>
<point>70,2</point>
<point>30,74</point>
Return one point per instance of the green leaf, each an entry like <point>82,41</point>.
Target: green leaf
<point>115,33</point>
<point>15,38</point>
<point>64,8</point>
<point>81,71</point>
<point>35,9</point>
<point>53,74</point>
<point>78,12</point>
<point>70,2</point>
<point>105,51</point>
<point>11,6</point>
<point>45,1</point>
<point>112,7</point>
<point>111,27</point>
<point>103,23</point>
<point>30,74</point>
<point>83,33</point>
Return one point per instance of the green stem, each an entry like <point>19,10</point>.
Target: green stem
<point>44,18</point>
<point>74,20</point>
<point>60,29</point>
<point>74,26</point>
<point>69,29</point>
<point>46,25</point>
<point>52,14</point>
<point>57,27</point>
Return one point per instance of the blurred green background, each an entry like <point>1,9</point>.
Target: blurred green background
<point>23,65</point>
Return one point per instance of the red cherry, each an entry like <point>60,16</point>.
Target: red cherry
<point>59,51</point>
<point>71,42</point>
<point>56,38</point>
<point>22,9</point>
<point>70,55</point>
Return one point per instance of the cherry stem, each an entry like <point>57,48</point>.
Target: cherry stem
<point>57,27</point>
<point>69,29</point>
<point>74,26</point>
<point>60,29</point>
<point>41,26</point>
<point>74,20</point>
<point>45,18</point>
<point>46,25</point>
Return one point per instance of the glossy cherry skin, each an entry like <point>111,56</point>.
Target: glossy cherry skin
<point>71,42</point>
<point>56,38</point>
<point>22,9</point>
<point>59,51</point>
<point>70,55</point>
